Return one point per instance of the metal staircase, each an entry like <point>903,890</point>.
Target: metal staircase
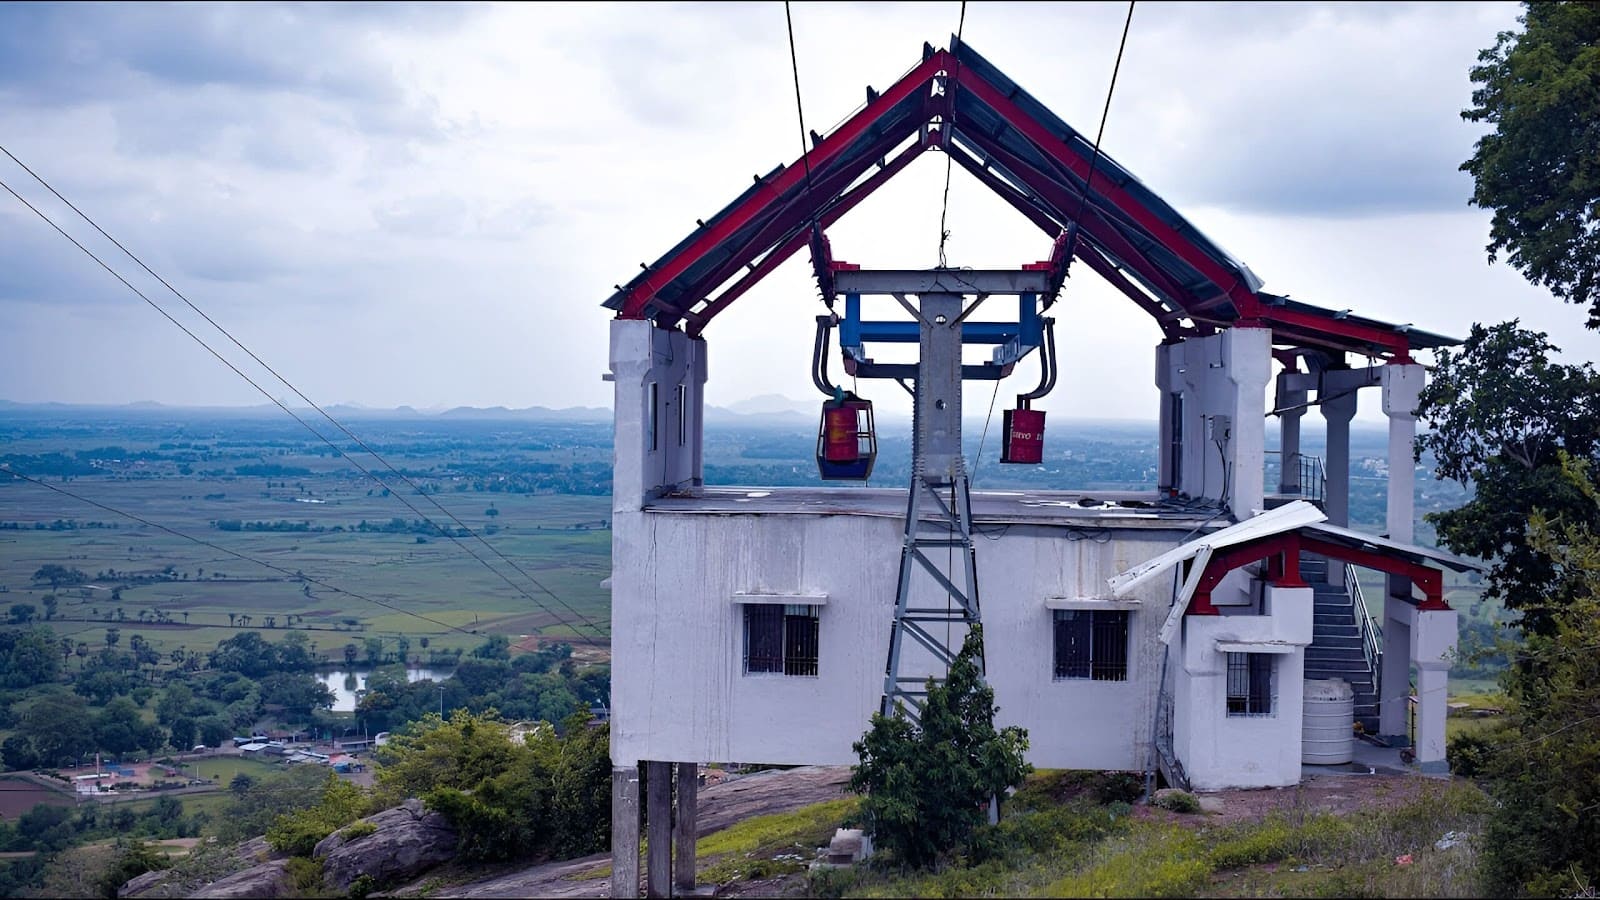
<point>1344,639</point>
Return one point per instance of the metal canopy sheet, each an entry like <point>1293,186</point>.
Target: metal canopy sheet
<point>1411,552</point>
<point>1285,518</point>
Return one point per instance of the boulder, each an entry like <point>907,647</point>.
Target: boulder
<point>409,840</point>
<point>190,880</point>
<point>269,880</point>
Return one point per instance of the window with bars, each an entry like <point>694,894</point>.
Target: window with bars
<point>1250,684</point>
<point>780,638</point>
<point>1092,644</point>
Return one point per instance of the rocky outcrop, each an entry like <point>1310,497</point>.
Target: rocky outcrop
<point>408,841</point>
<point>207,866</point>
<point>269,880</point>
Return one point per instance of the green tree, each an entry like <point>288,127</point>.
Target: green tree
<point>1500,414</point>
<point>51,604</point>
<point>57,725</point>
<point>28,657</point>
<point>1539,170</point>
<point>351,652</point>
<point>923,782</point>
<point>183,733</point>
<point>374,647</point>
<point>22,613</point>
<point>1543,838</point>
<point>496,646</point>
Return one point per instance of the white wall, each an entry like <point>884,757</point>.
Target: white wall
<point>678,688</point>
<point>1219,751</point>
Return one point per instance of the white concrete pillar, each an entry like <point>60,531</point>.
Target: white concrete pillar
<point>1247,354</point>
<point>685,828</point>
<point>658,407</point>
<point>1402,386</point>
<point>1338,407</point>
<point>1291,403</point>
<point>630,377</point>
<point>658,819</point>
<point>1433,647</point>
<point>1165,476</point>
<point>1433,683</point>
<point>1394,681</point>
<point>625,831</point>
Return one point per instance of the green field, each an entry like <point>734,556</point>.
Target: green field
<point>393,584</point>
<point>222,769</point>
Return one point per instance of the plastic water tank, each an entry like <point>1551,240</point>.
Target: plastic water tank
<point>1328,737</point>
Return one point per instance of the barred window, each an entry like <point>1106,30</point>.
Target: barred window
<point>780,638</point>
<point>1091,644</point>
<point>1250,684</point>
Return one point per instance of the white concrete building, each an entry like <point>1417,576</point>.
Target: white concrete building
<point>1168,629</point>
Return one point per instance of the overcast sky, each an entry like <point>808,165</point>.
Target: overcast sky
<point>426,205</point>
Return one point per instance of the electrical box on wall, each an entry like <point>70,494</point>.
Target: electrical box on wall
<point>1219,428</point>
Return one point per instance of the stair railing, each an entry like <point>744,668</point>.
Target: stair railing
<point>1312,481</point>
<point>1370,633</point>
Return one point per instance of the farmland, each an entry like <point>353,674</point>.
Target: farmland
<point>351,558</point>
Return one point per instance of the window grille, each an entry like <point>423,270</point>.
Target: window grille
<point>1091,644</point>
<point>1250,684</point>
<point>781,639</point>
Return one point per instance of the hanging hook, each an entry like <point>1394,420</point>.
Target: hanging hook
<point>1047,367</point>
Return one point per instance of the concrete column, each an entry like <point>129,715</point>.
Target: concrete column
<point>1433,680</point>
<point>1247,354</point>
<point>658,819</point>
<point>625,831</point>
<point>1292,403</point>
<point>630,376</point>
<point>686,829</point>
<point>1433,646</point>
<point>1402,386</point>
<point>1394,684</point>
<point>1338,408</point>
<point>1164,475</point>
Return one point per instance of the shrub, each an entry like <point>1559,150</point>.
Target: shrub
<point>305,875</point>
<point>924,782</point>
<point>1177,801</point>
<point>297,833</point>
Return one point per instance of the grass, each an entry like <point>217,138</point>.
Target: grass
<point>221,769</point>
<point>437,579</point>
<point>766,846</point>
<point>1050,847</point>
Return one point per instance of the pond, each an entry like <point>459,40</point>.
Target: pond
<point>345,682</point>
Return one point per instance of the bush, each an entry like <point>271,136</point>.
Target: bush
<point>1176,801</point>
<point>1469,753</point>
<point>924,782</point>
<point>298,833</point>
<point>305,875</point>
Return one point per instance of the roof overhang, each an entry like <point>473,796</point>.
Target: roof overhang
<point>959,102</point>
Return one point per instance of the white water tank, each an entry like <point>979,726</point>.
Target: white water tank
<point>1328,737</point>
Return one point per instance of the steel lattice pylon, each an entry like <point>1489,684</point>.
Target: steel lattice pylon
<point>949,529</point>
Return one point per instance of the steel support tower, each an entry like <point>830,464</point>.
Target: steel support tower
<point>938,517</point>
<point>936,591</point>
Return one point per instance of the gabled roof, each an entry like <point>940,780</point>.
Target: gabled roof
<point>963,104</point>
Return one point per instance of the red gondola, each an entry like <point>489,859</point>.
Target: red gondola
<point>847,444</point>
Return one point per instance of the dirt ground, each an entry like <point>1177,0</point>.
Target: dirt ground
<point>1338,794</point>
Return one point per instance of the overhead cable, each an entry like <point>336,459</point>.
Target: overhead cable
<point>279,403</point>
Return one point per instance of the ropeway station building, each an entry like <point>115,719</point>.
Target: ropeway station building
<point>1179,629</point>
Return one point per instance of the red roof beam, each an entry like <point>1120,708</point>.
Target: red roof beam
<point>700,318</point>
<point>1053,147</point>
<point>1100,232</point>
<point>793,176</point>
<point>799,210</point>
